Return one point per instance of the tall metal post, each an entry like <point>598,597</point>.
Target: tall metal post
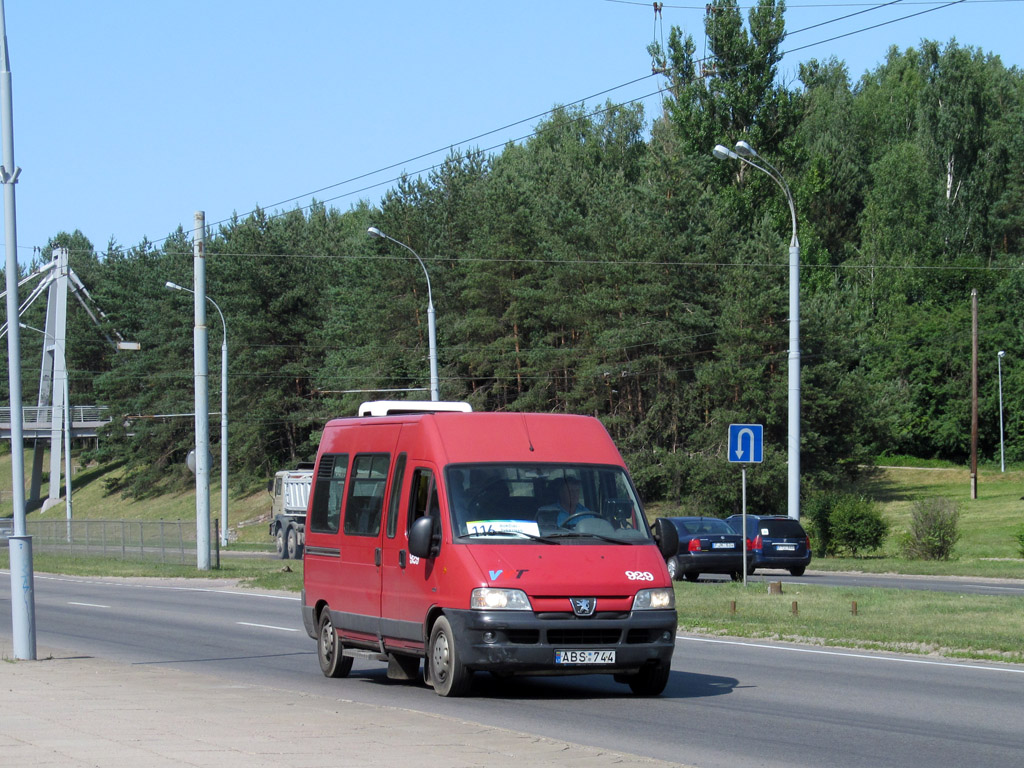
<point>23,601</point>
<point>1002,452</point>
<point>201,368</point>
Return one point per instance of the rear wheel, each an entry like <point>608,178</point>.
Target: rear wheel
<point>650,680</point>
<point>673,569</point>
<point>447,673</point>
<point>798,571</point>
<point>691,576</point>
<point>333,661</point>
<point>294,548</point>
<point>736,576</point>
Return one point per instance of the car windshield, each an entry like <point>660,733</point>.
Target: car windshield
<point>555,502</point>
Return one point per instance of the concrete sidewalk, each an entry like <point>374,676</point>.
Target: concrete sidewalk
<point>76,711</point>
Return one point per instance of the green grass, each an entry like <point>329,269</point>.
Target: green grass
<point>905,621</point>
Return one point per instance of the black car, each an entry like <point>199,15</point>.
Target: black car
<point>775,541</point>
<point>706,545</point>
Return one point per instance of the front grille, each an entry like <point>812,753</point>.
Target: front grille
<point>584,636</point>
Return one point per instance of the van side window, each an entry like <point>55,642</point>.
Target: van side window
<point>366,494</point>
<point>396,495</point>
<point>423,497</point>
<point>329,491</point>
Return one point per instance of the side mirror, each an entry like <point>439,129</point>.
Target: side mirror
<point>270,486</point>
<point>425,537</point>
<point>667,537</point>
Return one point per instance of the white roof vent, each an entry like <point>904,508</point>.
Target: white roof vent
<point>391,407</point>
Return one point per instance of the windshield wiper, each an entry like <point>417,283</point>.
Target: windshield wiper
<point>486,534</point>
<point>578,535</point>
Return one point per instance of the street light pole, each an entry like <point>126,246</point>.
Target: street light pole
<point>1002,454</point>
<point>431,319</point>
<point>223,415</point>
<point>746,154</point>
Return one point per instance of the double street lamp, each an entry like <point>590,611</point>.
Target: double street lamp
<point>746,154</point>
<point>431,319</point>
<point>223,415</point>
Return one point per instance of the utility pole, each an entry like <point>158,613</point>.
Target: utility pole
<point>23,600</point>
<point>974,393</point>
<point>201,368</point>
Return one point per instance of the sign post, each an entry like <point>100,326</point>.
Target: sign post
<point>746,446</point>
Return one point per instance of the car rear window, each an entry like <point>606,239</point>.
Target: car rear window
<point>784,529</point>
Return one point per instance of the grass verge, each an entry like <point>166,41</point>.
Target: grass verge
<point>905,621</point>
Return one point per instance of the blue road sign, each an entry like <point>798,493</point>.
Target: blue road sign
<point>746,443</point>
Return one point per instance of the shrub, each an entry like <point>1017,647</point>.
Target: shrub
<point>815,510</point>
<point>934,529</point>
<point>856,525</point>
<point>1019,536</point>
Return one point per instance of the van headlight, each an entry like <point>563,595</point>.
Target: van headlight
<point>654,599</point>
<point>489,599</point>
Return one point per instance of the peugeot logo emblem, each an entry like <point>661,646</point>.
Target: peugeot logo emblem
<point>583,606</point>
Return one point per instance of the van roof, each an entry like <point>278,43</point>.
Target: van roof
<point>477,437</point>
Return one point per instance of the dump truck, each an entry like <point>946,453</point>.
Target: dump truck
<point>290,491</point>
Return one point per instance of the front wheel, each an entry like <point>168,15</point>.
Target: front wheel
<point>650,680</point>
<point>447,673</point>
<point>333,661</point>
<point>281,544</point>
<point>691,576</point>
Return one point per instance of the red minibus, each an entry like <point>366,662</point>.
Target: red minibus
<point>513,543</point>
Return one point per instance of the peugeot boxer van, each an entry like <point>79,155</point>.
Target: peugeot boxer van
<point>503,542</point>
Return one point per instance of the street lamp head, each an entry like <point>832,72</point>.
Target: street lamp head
<point>374,232</point>
<point>745,150</point>
<point>724,153</point>
<point>173,286</point>
<point>1002,353</point>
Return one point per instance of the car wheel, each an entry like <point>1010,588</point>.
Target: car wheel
<point>736,576</point>
<point>294,548</point>
<point>798,571</point>
<point>650,680</point>
<point>673,569</point>
<point>750,569</point>
<point>447,673</point>
<point>333,661</point>
<point>280,544</point>
<point>691,576</point>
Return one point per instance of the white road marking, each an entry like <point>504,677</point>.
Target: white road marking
<point>266,626</point>
<point>851,654</point>
<point>88,605</point>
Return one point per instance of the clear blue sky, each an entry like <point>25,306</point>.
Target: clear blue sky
<point>129,116</point>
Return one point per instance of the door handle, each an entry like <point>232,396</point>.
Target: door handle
<point>401,558</point>
<point>376,557</point>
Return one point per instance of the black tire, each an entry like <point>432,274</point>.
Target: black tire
<point>329,651</point>
<point>673,569</point>
<point>750,569</point>
<point>691,576</point>
<point>447,673</point>
<point>281,544</point>
<point>736,576</point>
<point>798,571</point>
<point>294,548</point>
<point>650,680</point>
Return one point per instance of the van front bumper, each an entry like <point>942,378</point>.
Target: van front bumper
<point>525,641</point>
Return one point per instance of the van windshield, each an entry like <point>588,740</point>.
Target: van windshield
<point>520,502</point>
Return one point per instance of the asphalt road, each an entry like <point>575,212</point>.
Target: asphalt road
<point>729,703</point>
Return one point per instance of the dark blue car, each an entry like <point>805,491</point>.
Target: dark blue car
<point>706,545</point>
<point>774,541</point>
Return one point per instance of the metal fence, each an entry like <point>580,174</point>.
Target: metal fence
<point>163,541</point>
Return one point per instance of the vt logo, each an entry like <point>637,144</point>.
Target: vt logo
<point>494,575</point>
